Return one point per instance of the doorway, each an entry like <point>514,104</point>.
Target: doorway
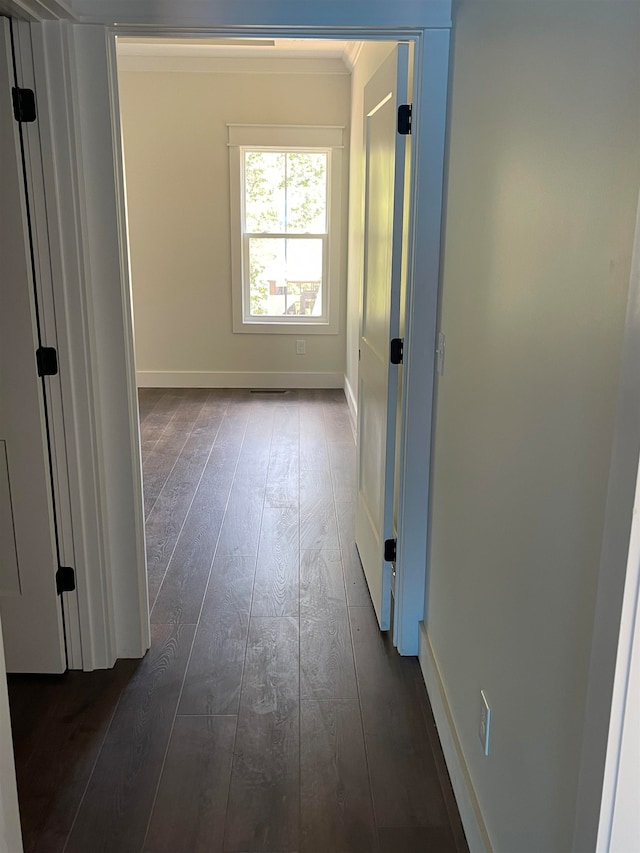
<point>425,195</point>
<point>208,163</point>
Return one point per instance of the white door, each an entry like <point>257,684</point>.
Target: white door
<point>29,604</point>
<point>377,378</point>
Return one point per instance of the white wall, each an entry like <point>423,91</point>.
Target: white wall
<point>544,169</point>
<point>370,58</point>
<point>177,170</point>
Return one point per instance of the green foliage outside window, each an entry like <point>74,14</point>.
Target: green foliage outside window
<point>285,192</point>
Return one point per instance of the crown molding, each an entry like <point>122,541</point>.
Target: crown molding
<point>352,53</point>
<point>228,65</point>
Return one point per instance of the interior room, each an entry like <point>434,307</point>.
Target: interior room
<point>179,101</point>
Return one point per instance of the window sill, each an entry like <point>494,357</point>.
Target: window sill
<point>276,328</point>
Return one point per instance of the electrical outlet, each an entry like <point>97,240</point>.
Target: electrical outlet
<point>301,347</point>
<point>485,723</point>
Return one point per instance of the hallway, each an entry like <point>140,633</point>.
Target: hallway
<point>270,714</point>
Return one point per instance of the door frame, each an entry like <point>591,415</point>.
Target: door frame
<point>424,221</point>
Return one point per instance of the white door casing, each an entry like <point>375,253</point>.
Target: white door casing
<point>377,378</point>
<point>31,613</point>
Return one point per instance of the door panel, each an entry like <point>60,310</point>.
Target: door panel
<point>377,378</point>
<point>31,613</point>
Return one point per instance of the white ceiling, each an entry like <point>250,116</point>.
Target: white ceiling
<point>347,51</point>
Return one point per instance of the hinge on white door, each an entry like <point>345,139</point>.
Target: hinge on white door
<point>390,546</point>
<point>404,119</point>
<point>47,361</point>
<point>396,351</point>
<point>24,104</point>
<point>65,579</point>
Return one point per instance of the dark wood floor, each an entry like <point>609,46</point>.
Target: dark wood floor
<point>270,713</point>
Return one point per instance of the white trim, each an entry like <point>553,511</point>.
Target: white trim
<point>237,379</point>
<point>53,62</point>
<point>229,65</point>
<point>431,62</point>
<point>352,54</point>
<point>468,805</point>
<point>120,586</point>
<point>49,329</point>
<point>286,135</point>
<point>136,642</point>
<point>352,403</point>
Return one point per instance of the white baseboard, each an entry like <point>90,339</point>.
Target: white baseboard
<point>468,806</point>
<point>352,404</point>
<point>237,379</point>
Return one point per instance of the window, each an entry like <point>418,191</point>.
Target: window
<point>284,233</point>
<point>285,206</point>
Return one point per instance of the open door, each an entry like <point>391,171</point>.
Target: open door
<point>29,604</point>
<point>377,377</point>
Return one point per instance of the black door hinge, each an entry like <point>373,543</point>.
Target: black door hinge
<point>390,550</point>
<point>65,579</point>
<point>404,119</point>
<point>24,104</point>
<point>396,350</point>
<point>47,361</point>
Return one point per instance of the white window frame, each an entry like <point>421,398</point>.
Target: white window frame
<point>323,139</point>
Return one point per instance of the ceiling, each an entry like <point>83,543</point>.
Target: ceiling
<point>347,51</point>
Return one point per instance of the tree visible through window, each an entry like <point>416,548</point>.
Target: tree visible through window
<point>285,229</point>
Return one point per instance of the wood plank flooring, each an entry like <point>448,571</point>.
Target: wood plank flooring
<point>270,713</point>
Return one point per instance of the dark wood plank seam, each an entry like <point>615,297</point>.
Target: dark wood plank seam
<point>186,670</point>
<point>187,436</point>
<point>162,396</point>
<point>353,652</point>
<point>195,491</point>
<point>90,776</point>
<point>264,502</point>
<point>152,409</point>
<point>246,645</point>
<point>244,662</point>
<point>166,751</point>
<point>206,715</point>
<point>364,739</point>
